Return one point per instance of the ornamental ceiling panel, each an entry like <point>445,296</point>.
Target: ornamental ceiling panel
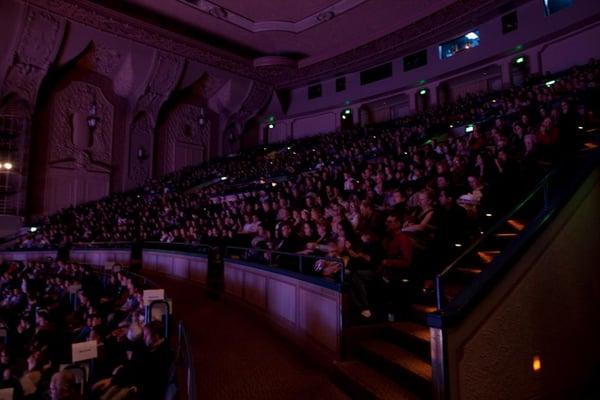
<point>280,10</point>
<point>305,30</point>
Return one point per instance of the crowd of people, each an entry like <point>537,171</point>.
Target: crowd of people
<point>382,198</point>
<point>45,307</point>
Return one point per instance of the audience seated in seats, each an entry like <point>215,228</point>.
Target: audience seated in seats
<point>43,319</point>
<point>317,195</point>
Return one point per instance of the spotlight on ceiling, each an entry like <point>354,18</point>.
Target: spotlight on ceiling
<point>472,36</point>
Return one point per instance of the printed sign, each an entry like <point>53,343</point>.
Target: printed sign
<point>6,394</point>
<point>151,295</point>
<point>84,350</point>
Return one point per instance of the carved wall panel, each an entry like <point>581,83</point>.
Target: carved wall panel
<point>89,148</point>
<point>257,99</point>
<point>140,149</point>
<point>163,79</point>
<point>36,50</point>
<point>183,140</point>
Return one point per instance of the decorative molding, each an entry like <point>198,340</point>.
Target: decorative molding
<point>418,34</point>
<point>141,137</point>
<point>164,77</point>
<point>247,24</point>
<point>101,59</point>
<point>118,24</point>
<point>257,98</point>
<point>182,127</point>
<point>68,140</point>
<point>39,43</point>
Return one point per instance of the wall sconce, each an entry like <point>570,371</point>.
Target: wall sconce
<point>92,119</point>
<point>201,119</point>
<point>141,154</point>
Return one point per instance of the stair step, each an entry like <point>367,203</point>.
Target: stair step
<point>412,335</point>
<point>423,308</point>
<point>401,361</point>
<point>506,235</point>
<point>412,329</point>
<point>469,271</point>
<point>516,224</point>
<point>488,255</point>
<point>365,382</point>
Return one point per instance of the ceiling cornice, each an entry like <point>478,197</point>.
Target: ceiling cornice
<point>239,20</point>
<point>461,15</point>
<point>441,25</point>
<point>118,24</point>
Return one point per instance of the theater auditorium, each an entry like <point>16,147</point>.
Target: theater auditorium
<point>314,199</point>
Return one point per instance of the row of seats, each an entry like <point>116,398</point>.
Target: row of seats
<point>46,307</point>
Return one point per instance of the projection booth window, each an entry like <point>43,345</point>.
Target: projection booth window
<point>459,44</point>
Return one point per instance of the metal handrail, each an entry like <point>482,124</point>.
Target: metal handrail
<point>300,258</point>
<point>543,186</point>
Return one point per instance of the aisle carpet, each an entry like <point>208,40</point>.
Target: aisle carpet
<point>238,357</point>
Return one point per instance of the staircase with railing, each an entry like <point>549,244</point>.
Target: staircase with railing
<point>408,359</point>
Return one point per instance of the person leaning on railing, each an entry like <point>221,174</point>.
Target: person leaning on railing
<point>146,372</point>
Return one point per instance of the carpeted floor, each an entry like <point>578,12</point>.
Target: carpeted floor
<point>237,357</point>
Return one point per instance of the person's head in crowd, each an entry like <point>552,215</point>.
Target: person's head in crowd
<point>393,223</point>
<point>286,230</point>
<point>442,182</point>
<point>64,386</point>
<point>366,208</point>
<point>447,198</point>
<point>41,318</point>
<point>153,334</point>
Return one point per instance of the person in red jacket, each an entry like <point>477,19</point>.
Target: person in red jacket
<point>397,246</point>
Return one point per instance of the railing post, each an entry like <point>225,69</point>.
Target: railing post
<point>439,292</point>
<point>546,195</point>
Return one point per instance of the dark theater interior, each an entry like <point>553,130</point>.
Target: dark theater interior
<point>303,200</point>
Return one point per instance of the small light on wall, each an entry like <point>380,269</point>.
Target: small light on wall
<point>347,111</point>
<point>423,92</point>
<point>343,116</point>
<point>469,128</point>
<point>537,364</point>
<point>580,128</point>
<point>224,178</point>
<point>550,83</point>
<point>92,119</point>
<point>488,215</point>
<point>33,229</point>
<point>457,245</point>
<point>141,154</point>
<point>451,126</point>
<point>273,184</point>
<point>520,60</point>
<point>271,126</point>
<point>7,166</point>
